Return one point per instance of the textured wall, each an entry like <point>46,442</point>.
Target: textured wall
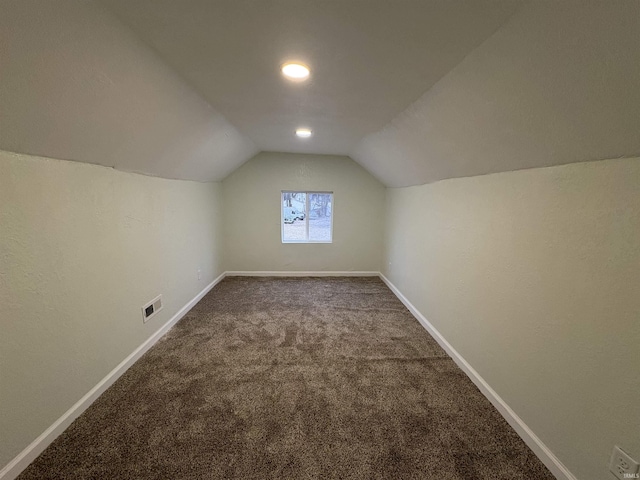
<point>76,84</point>
<point>252,214</point>
<point>558,83</point>
<point>82,248</point>
<point>533,277</point>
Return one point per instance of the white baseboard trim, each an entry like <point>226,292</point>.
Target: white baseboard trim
<point>555,466</point>
<point>24,458</point>
<point>29,454</point>
<point>302,274</point>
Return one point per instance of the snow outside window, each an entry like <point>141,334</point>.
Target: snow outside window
<point>307,217</point>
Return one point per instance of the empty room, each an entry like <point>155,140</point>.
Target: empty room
<point>320,239</point>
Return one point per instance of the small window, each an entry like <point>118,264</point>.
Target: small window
<point>307,217</point>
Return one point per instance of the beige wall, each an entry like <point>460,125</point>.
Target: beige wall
<point>82,248</point>
<point>533,277</point>
<point>252,214</point>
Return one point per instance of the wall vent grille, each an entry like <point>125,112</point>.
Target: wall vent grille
<point>151,308</point>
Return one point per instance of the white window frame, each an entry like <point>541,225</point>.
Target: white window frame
<point>306,215</point>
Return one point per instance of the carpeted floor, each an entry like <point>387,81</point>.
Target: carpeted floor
<point>292,378</point>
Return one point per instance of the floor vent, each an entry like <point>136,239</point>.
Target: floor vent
<point>151,308</point>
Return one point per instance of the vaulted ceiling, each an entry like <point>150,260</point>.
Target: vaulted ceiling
<point>369,59</point>
<point>414,90</point>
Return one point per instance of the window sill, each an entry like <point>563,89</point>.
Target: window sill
<point>305,241</point>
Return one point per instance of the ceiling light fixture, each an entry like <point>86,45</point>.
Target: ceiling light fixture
<point>295,71</point>
<point>303,132</point>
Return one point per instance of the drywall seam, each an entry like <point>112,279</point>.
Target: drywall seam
<point>29,454</point>
<point>543,452</point>
<point>301,274</point>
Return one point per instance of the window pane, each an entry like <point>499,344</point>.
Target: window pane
<point>320,217</point>
<point>294,228</point>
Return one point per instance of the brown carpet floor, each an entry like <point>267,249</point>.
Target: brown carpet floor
<point>292,378</point>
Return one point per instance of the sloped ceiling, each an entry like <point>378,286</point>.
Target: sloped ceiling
<point>414,90</point>
<point>559,83</point>
<point>369,59</point>
<point>76,84</point>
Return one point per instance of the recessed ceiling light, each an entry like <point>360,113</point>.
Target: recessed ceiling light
<point>295,71</point>
<point>303,132</point>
